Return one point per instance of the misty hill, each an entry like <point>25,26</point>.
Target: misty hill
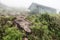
<point>5,10</point>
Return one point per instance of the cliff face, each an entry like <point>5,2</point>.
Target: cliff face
<point>38,8</point>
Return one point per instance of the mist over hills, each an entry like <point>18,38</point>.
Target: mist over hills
<point>5,10</point>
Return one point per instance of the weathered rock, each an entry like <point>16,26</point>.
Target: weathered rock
<point>25,38</point>
<point>22,23</point>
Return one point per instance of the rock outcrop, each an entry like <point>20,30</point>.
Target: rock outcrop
<point>21,22</point>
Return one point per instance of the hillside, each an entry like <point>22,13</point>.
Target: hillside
<point>43,26</point>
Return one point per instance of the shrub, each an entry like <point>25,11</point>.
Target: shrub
<point>45,27</point>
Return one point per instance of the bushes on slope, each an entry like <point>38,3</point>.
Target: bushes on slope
<point>44,27</point>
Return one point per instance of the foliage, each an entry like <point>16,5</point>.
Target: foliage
<point>13,34</point>
<point>8,31</point>
<point>43,26</point>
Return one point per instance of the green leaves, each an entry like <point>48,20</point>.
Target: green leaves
<point>43,26</point>
<point>13,34</point>
<point>8,31</point>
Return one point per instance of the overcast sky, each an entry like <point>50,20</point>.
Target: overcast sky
<point>27,3</point>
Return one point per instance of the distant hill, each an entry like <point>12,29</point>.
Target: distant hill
<point>5,10</point>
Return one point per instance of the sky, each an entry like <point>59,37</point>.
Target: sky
<point>26,3</point>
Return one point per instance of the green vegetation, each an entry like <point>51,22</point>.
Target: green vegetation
<point>43,26</point>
